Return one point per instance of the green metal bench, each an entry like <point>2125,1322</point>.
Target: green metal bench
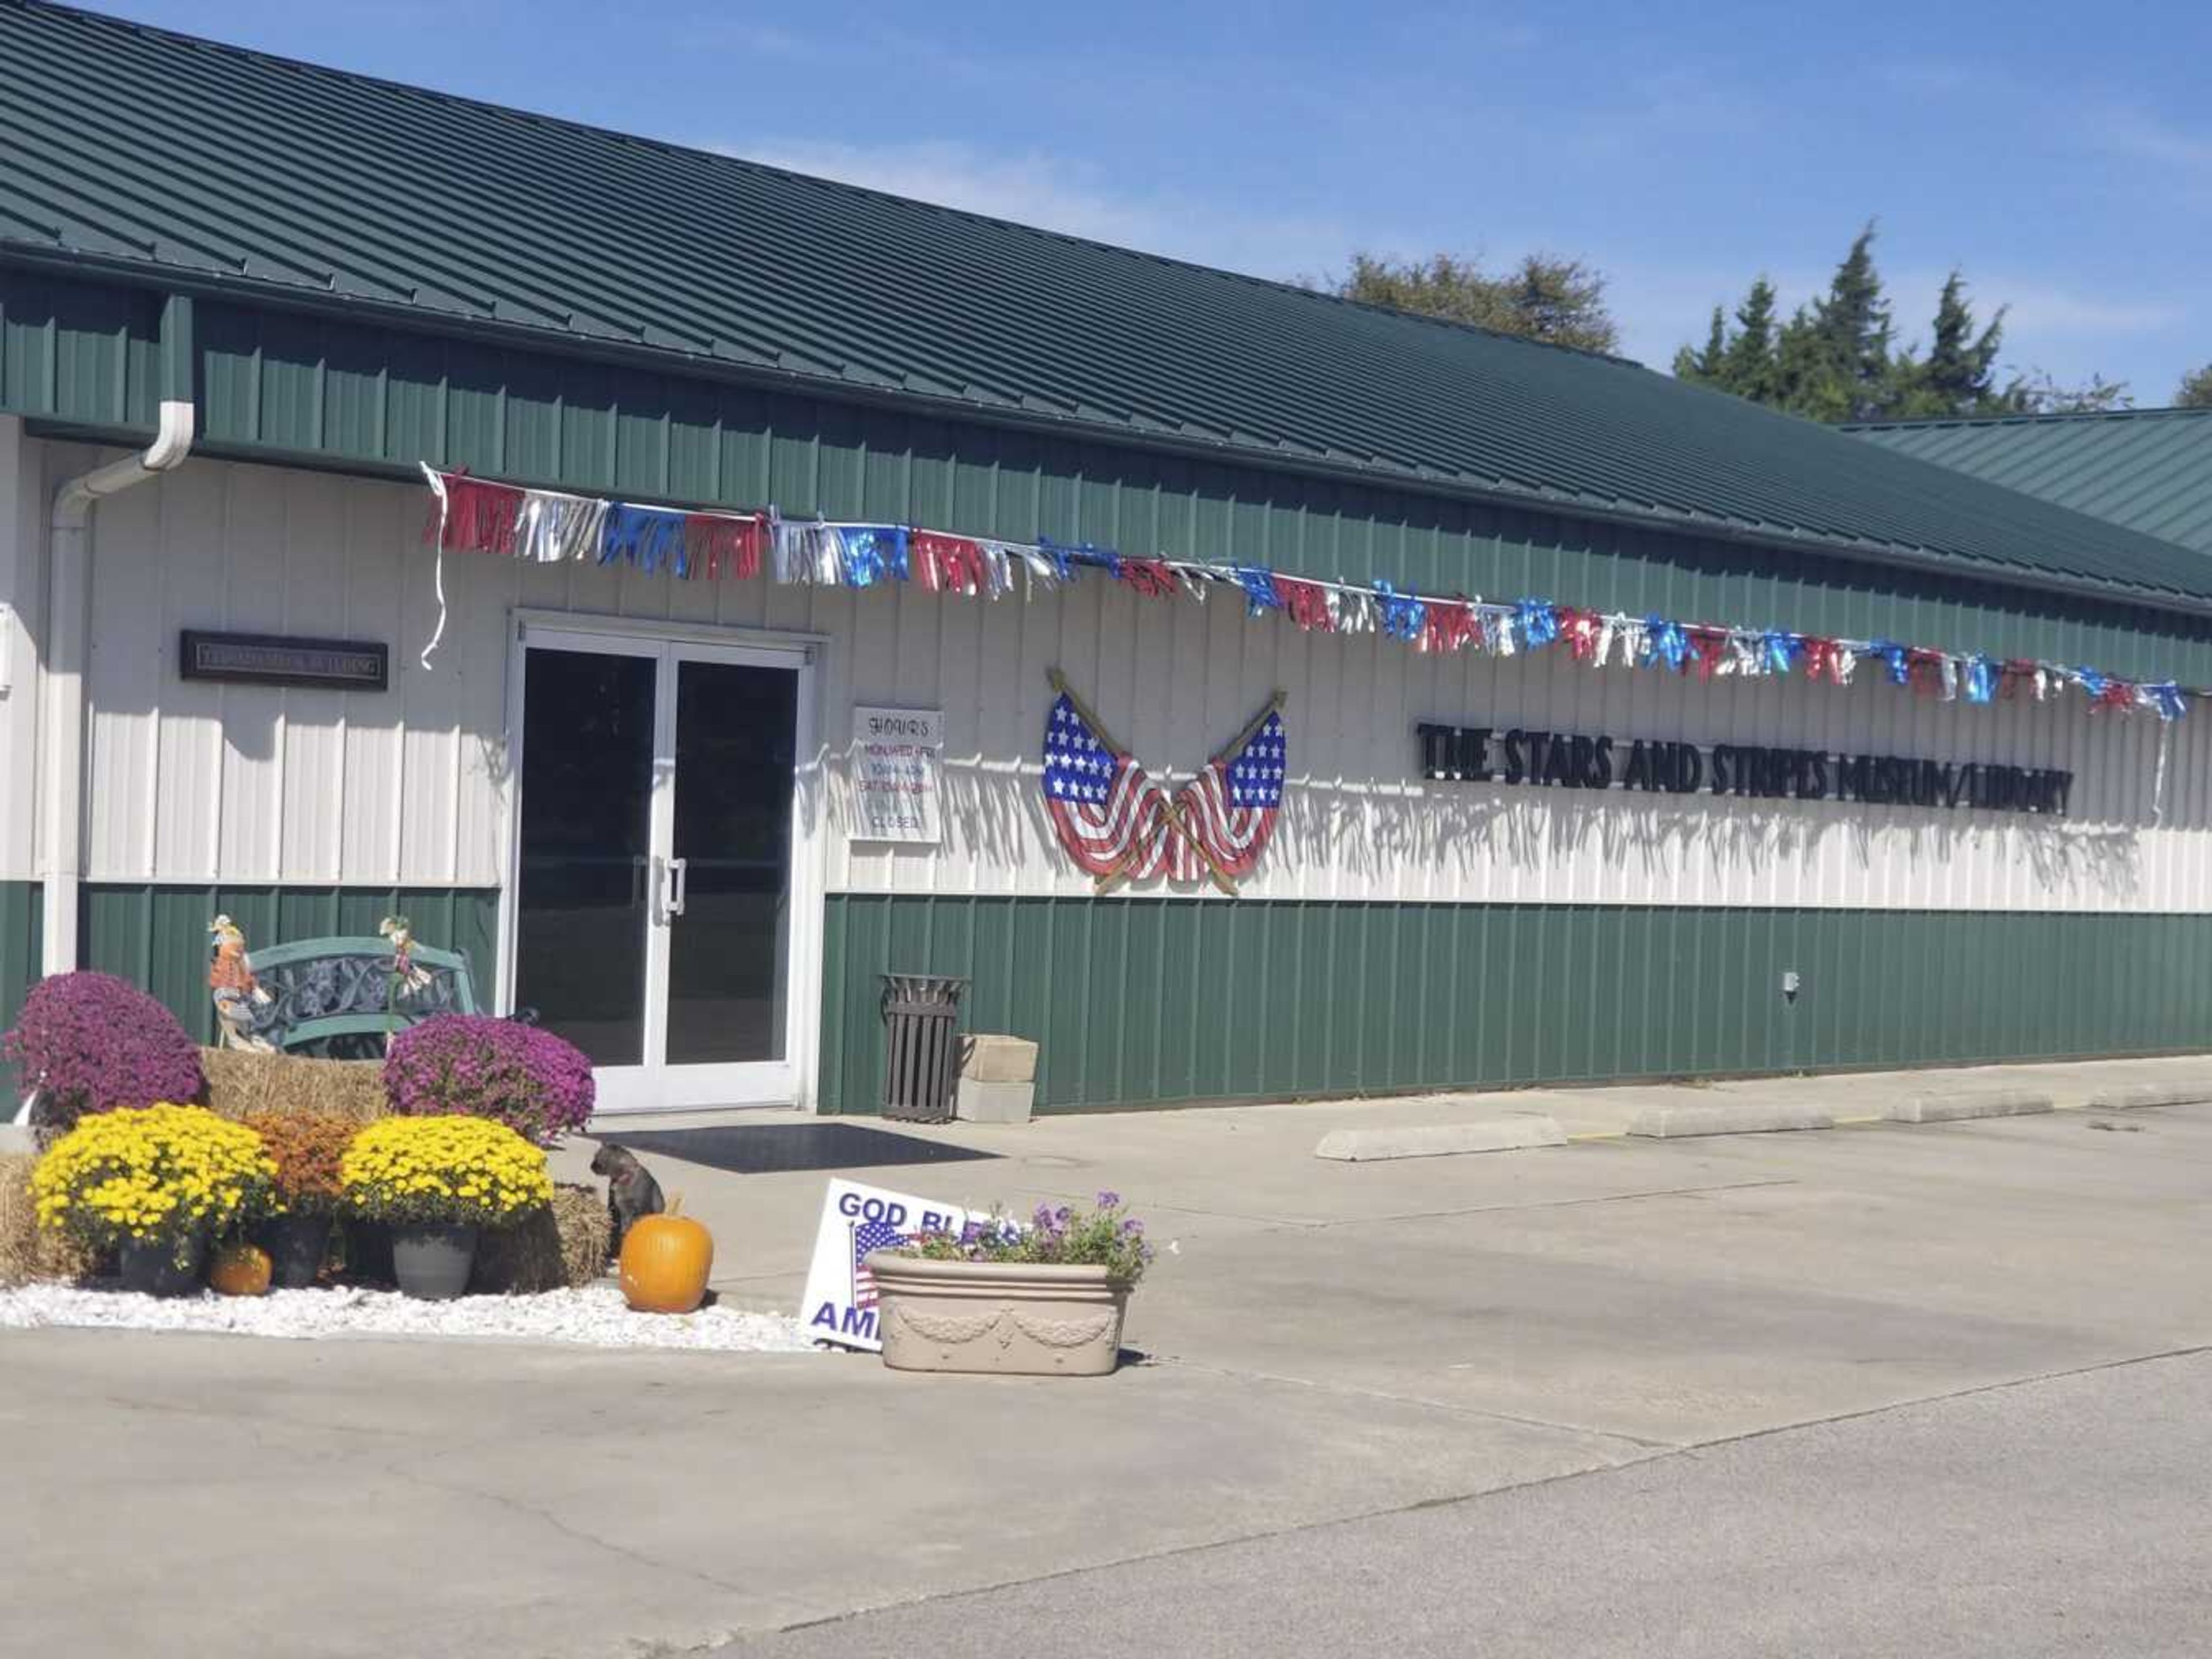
<point>337,995</point>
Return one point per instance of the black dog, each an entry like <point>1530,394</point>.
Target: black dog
<point>631,1191</point>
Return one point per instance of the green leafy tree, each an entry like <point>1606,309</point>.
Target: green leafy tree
<point>1559,301</point>
<point>2196,391</point>
<point>2037,393</point>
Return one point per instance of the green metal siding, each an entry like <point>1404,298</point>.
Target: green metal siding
<point>1140,1002</point>
<point>337,392</point>
<point>180,162</point>
<point>156,936</point>
<point>79,352</point>
<point>22,945</point>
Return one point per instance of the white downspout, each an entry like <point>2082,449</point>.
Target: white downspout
<point>69,584</point>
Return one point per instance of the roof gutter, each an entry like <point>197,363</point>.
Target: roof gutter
<point>69,586</point>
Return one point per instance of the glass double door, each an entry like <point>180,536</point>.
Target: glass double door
<point>655,853</point>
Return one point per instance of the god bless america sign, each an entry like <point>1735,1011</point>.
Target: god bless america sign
<point>1568,760</point>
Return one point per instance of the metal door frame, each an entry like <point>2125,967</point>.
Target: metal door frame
<point>653,1085</point>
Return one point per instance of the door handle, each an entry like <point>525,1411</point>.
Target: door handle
<point>679,870</point>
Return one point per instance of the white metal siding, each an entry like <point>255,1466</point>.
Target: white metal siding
<point>22,533</point>
<point>193,783</point>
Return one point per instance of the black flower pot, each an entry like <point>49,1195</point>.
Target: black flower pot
<point>155,1270</point>
<point>297,1244</point>
<point>431,1260</point>
<point>366,1248</point>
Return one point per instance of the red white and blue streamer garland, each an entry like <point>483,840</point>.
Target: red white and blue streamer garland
<point>550,527</point>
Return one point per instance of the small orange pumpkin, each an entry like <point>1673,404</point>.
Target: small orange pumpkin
<point>238,1270</point>
<point>665,1260</point>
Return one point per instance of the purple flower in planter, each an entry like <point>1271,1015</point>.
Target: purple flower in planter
<point>1109,1201</point>
<point>474,1066</point>
<point>90,1043</point>
<point>1133,1228</point>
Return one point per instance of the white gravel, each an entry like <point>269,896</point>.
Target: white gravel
<point>595,1316</point>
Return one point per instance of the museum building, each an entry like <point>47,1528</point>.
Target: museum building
<point>695,590</point>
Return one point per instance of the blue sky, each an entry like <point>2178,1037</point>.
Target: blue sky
<point>1681,148</point>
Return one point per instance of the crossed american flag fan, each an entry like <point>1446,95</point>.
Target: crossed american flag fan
<point>1119,825</point>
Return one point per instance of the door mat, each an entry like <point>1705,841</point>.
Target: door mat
<point>776,1148</point>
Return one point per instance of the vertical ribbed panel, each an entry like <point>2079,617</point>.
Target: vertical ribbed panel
<point>1146,1001</point>
<point>21,917</point>
<point>157,937</point>
<point>76,351</point>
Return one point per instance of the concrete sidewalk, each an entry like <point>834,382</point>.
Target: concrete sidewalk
<point>1204,1169</point>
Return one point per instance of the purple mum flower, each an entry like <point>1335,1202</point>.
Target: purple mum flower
<point>1109,1200</point>
<point>529,1079</point>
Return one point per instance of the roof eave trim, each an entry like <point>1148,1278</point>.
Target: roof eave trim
<point>552,343</point>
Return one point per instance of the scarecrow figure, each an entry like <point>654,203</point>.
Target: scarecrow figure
<point>236,993</point>
<point>407,976</point>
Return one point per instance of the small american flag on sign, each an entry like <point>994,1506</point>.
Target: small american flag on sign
<point>870,1235</point>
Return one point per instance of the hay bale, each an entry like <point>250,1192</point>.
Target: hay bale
<point>27,1254</point>
<point>239,1081</point>
<point>559,1246</point>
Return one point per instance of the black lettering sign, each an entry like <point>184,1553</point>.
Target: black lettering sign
<point>1568,760</point>
<point>272,660</point>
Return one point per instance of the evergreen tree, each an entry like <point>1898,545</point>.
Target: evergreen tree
<point>1709,366</point>
<point>1808,379</point>
<point>2196,391</point>
<point>1833,360</point>
<point>1851,334</point>
<point>1958,375</point>
<point>1752,370</point>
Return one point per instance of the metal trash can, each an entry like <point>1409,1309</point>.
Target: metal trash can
<point>921,1043</point>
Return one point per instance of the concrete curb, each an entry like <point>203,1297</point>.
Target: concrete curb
<point>1955,1107</point>
<point>1742,1117</point>
<point>2126,1097</point>
<point>1486,1134</point>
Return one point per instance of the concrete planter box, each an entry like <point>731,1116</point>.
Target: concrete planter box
<point>1011,1318</point>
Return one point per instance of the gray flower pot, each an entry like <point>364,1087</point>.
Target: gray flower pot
<point>1016,1318</point>
<point>154,1269</point>
<point>431,1260</point>
<point>296,1245</point>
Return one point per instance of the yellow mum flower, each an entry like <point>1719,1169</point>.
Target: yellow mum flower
<point>154,1173</point>
<point>464,1169</point>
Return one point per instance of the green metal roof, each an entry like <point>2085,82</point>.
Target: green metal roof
<point>2149,469</point>
<point>173,160</point>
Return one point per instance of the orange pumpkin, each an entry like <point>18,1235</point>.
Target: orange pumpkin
<point>665,1260</point>
<point>238,1270</point>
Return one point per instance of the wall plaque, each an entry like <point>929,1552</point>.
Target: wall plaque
<point>898,774</point>
<point>275,660</point>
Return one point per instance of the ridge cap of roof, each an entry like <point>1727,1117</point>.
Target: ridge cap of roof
<point>2049,417</point>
